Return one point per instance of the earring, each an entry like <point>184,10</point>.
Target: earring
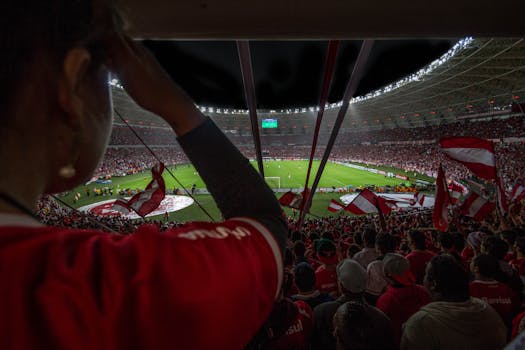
<point>67,172</point>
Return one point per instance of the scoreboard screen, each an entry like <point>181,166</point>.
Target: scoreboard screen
<point>269,123</point>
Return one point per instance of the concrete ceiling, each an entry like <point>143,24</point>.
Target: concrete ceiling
<point>313,19</point>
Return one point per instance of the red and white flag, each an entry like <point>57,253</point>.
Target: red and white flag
<point>368,202</point>
<point>440,216</point>
<point>335,206</point>
<point>419,198</point>
<point>148,200</point>
<point>476,154</point>
<point>477,207</point>
<point>291,200</point>
<point>518,193</point>
<point>456,190</point>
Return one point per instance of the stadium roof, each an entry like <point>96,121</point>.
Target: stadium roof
<point>476,78</point>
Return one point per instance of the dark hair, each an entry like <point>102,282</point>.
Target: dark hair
<point>288,257</point>
<point>358,238</point>
<point>304,277</point>
<point>446,240</point>
<point>418,238</point>
<point>369,237</point>
<point>487,265</point>
<point>386,243</point>
<point>459,241</point>
<point>52,27</point>
<point>495,246</point>
<point>509,236</point>
<point>446,277</point>
<point>353,328</point>
<point>352,250</point>
<point>299,249</point>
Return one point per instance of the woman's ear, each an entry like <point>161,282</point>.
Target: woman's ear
<point>75,67</point>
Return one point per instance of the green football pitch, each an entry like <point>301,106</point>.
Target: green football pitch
<point>285,174</point>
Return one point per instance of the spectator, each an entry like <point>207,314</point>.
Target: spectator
<point>305,282</point>
<point>84,288</point>
<point>352,280</point>
<point>289,327</point>
<point>496,247</point>
<point>453,320</point>
<point>485,287</point>
<point>419,255</point>
<point>299,251</point>
<point>325,275</point>
<point>377,283</point>
<point>368,253</point>
<point>402,297</point>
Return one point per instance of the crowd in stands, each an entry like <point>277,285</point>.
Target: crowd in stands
<point>350,284</point>
<point>488,129</point>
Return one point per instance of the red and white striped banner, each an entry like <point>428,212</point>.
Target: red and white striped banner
<point>419,198</point>
<point>368,202</point>
<point>440,216</point>
<point>475,153</point>
<point>477,207</point>
<point>501,197</point>
<point>456,190</point>
<point>148,200</point>
<point>335,206</point>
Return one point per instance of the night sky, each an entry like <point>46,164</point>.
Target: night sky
<point>286,73</point>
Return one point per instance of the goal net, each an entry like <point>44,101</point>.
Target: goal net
<point>273,181</point>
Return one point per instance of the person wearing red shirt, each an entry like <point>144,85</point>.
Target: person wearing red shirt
<point>326,274</point>
<point>201,286</point>
<point>419,256</point>
<point>403,297</point>
<point>485,287</point>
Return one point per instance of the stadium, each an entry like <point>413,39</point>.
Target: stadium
<point>393,130</point>
<point>262,175</point>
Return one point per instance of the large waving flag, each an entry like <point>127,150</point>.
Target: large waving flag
<point>291,200</point>
<point>335,206</point>
<point>440,216</point>
<point>456,190</point>
<point>368,202</point>
<point>477,207</point>
<point>148,200</point>
<point>475,153</point>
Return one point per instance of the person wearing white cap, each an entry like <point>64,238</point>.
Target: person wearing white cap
<point>352,279</point>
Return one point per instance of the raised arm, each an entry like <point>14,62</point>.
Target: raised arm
<point>234,184</point>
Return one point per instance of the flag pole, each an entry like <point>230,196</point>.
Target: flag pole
<point>381,216</point>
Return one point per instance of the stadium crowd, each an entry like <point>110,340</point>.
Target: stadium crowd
<point>349,283</point>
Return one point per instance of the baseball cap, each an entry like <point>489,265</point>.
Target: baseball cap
<point>352,276</point>
<point>397,267</point>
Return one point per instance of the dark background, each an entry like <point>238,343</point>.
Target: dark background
<point>287,73</point>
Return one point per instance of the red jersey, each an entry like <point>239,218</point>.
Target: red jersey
<point>202,286</point>
<point>299,334</point>
<point>498,295</point>
<point>401,303</point>
<point>418,263</point>
<point>326,281</point>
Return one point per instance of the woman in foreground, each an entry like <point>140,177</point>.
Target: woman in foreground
<point>205,285</point>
